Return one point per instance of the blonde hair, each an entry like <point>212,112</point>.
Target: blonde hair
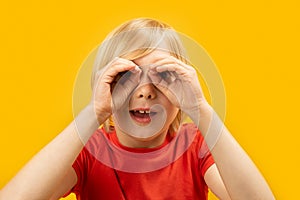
<point>134,39</point>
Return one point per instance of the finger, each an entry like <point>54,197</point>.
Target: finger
<point>109,67</point>
<point>156,78</point>
<point>178,69</point>
<point>119,65</point>
<point>166,86</point>
<point>172,92</point>
<point>172,60</point>
<point>167,60</point>
<point>124,87</point>
<point>132,80</point>
<point>183,72</point>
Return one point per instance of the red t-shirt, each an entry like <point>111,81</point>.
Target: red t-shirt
<point>108,170</point>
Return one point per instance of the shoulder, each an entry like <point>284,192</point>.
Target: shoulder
<point>189,131</point>
<point>99,136</point>
<point>198,145</point>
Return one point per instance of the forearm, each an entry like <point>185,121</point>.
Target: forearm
<point>41,175</point>
<point>240,176</point>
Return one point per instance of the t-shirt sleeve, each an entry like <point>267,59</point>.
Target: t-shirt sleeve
<point>84,163</point>
<point>205,158</point>
<point>80,168</point>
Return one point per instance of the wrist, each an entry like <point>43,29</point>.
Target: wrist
<point>86,123</point>
<point>200,111</point>
<point>205,109</point>
<point>97,112</point>
<point>210,125</point>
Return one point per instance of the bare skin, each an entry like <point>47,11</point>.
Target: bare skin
<point>223,178</point>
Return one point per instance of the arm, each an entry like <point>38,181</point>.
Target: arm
<point>52,168</point>
<point>66,184</point>
<point>241,178</point>
<point>41,176</point>
<point>239,174</point>
<point>215,183</point>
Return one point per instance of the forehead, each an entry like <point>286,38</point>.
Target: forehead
<point>152,57</point>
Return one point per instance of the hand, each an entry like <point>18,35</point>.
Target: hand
<point>105,84</point>
<point>179,82</point>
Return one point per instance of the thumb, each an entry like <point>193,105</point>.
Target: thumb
<point>124,87</point>
<point>171,90</point>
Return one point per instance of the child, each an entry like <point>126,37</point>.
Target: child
<point>142,86</point>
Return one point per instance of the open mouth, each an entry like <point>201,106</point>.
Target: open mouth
<point>142,116</point>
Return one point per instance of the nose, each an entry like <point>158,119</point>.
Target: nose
<point>146,91</point>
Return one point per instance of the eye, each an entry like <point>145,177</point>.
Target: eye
<point>164,74</point>
<point>121,76</point>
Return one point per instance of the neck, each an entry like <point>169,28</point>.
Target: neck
<point>133,142</point>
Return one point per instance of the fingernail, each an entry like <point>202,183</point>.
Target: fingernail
<point>135,69</point>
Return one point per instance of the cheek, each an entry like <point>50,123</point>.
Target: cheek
<point>130,101</point>
<point>167,104</point>
<point>171,109</point>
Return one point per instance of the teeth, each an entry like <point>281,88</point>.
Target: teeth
<point>142,111</point>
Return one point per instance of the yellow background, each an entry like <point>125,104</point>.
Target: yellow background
<point>254,44</point>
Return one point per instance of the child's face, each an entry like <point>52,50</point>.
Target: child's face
<point>146,98</point>
<point>146,95</point>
